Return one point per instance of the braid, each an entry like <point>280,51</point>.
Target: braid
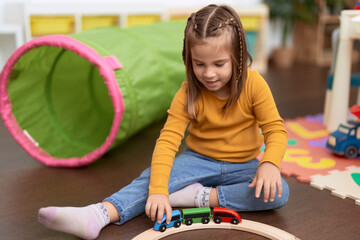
<point>190,23</point>
<point>193,20</point>
<point>233,23</point>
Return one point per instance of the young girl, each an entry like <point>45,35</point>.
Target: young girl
<point>223,105</point>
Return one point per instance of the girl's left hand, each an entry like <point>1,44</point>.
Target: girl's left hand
<point>267,177</point>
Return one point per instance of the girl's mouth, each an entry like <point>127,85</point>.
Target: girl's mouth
<point>211,83</point>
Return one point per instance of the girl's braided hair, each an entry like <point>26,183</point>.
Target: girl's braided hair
<point>216,21</point>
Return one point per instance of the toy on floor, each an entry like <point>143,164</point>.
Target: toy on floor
<point>345,141</point>
<point>226,217</point>
<point>67,99</point>
<point>198,215</point>
<point>175,222</point>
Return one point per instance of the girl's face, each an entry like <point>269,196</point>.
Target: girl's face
<point>212,66</point>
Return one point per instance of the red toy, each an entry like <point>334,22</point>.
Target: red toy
<point>355,109</point>
<point>226,215</point>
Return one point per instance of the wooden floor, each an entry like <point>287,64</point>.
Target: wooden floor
<point>26,185</point>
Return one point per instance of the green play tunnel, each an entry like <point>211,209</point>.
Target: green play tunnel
<point>67,99</point>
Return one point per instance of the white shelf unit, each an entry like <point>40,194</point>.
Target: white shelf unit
<point>255,19</point>
<point>11,38</point>
<point>78,12</point>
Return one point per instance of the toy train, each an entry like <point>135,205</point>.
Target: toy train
<point>196,215</point>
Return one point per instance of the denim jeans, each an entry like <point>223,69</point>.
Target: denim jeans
<point>231,181</point>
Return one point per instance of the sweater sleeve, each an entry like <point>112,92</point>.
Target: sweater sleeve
<point>270,122</point>
<point>167,145</point>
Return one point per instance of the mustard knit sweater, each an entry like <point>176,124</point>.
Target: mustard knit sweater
<point>235,138</point>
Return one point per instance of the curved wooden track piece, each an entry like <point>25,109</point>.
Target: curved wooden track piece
<point>246,225</point>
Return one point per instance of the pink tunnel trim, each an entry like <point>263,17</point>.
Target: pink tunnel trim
<point>106,66</point>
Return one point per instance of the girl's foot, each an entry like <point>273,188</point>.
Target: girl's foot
<point>85,222</point>
<point>185,197</point>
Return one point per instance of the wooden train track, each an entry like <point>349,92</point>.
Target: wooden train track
<point>246,225</point>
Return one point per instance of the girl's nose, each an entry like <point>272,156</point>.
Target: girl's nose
<point>209,73</point>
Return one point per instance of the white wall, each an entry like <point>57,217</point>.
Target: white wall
<point>11,19</point>
<point>11,11</point>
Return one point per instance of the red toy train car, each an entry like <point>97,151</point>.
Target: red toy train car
<point>226,215</point>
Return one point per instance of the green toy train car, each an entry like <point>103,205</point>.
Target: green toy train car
<point>196,215</point>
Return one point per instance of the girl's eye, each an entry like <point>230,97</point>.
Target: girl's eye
<point>199,64</point>
<point>219,64</point>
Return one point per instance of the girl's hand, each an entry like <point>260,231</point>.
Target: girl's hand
<point>267,177</point>
<point>156,206</point>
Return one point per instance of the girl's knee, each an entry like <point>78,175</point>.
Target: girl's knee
<point>285,188</point>
<point>145,173</point>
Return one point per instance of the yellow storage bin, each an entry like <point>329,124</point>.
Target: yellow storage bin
<point>133,20</point>
<point>44,25</point>
<point>179,17</point>
<point>251,23</point>
<point>89,22</point>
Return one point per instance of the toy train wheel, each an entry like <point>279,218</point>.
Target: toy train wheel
<point>351,152</point>
<point>162,228</point>
<point>177,224</point>
<point>235,221</point>
<point>217,220</point>
<point>205,220</point>
<point>188,221</point>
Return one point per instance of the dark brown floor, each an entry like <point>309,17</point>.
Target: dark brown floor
<point>26,185</point>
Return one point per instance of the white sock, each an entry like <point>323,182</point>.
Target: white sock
<point>85,222</point>
<point>202,197</point>
<point>185,197</point>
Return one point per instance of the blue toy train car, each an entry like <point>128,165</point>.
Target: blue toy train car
<point>345,141</point>
<point>195,215</point>
<point>175,222</point>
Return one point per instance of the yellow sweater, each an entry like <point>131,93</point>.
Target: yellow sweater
<point>235,138</point>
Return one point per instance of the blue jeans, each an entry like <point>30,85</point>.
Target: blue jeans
<point>231,181</point>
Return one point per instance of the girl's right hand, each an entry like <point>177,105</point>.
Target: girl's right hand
<point>156,206</point>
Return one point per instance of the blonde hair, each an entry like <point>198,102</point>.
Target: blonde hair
<point>215,21</point>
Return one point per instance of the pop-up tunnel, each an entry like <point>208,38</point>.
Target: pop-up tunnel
<point>68,99</point>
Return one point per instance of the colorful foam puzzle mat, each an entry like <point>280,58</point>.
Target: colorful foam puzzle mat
<point>309,161</point>
<point>342,184</point>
